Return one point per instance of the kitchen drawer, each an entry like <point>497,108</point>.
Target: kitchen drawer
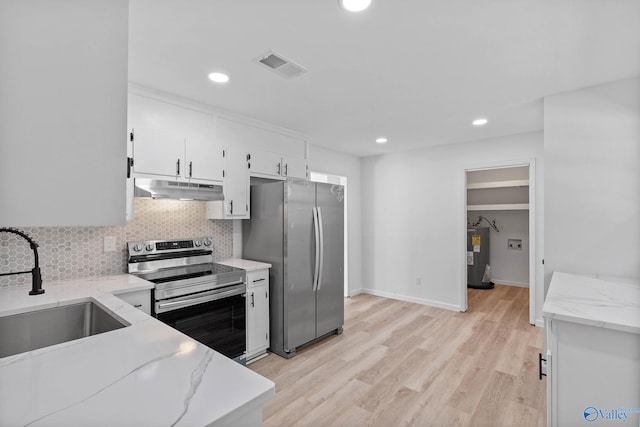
<point>257,278</point>
<point>139,299</point>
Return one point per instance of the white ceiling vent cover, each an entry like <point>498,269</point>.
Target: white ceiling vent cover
<point>280,65</point>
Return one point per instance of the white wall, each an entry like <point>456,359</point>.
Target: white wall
<point>412,215</point>
<point>592,180</point>
<point>336,163</point>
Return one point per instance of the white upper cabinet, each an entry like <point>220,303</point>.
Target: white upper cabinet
<point>294,167</point>
<point>174,142</point>
<point>204,157</point>
<point>265,163</point>
<point>63,130</point>
<point>270,154</point>
<point>236,187</point>
<point>157,151</point>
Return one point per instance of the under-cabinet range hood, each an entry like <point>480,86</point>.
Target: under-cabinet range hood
<point>159,189</point>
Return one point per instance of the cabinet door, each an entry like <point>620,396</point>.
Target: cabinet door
<point>158,152</point>
<point>265,163</point>
<point>236,184</point>
<point>257,319</point>
<point>139,299</point>
<point>257,312</point>
<point>205,159</point>
<point>294,167</point>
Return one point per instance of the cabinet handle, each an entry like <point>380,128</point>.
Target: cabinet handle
<point>190,169</point>
<point>252,300</point>
<point>278,168</point>
<point>258,280</point>
<point>231,209</point>
<point>178,167</point>
<point>129,166</point>
<point>248,156</point>
<point>138,305</point>
<point>286,169</point>
<point>540,360</point>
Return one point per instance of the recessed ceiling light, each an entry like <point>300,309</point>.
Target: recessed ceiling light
<point>381,140</point>
<point>219,77</point>
<point>480,122</point>
<point>354,5</point>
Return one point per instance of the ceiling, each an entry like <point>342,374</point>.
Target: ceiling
<point>415,71</point>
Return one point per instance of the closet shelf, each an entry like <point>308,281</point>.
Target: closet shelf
<point>499,184</point>
<point>500,207</point>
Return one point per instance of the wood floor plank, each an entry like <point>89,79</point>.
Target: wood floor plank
<point>515,353</point>
<point>492,408</point>
<point>324,413</point>
<point>404,364</point>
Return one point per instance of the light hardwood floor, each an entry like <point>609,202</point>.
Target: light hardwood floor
<point>399,363</point>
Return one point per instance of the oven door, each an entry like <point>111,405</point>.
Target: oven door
<point>216,319</point>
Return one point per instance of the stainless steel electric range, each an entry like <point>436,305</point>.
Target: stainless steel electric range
<point>194,295</point>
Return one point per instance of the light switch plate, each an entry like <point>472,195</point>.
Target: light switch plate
<point>109,243</point>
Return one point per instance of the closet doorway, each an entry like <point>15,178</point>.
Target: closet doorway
<point>500,241</point>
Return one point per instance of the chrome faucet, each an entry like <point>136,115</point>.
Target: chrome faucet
<point>36,278</point>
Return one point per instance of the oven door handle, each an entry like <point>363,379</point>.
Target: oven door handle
<point>205,297</point>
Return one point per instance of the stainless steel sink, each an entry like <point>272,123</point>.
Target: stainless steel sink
<point>42,328</point>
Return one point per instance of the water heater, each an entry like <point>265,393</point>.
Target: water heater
<point>477,257</point>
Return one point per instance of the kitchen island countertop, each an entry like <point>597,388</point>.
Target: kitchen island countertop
<point>604,302</point>
<point>145,374</point>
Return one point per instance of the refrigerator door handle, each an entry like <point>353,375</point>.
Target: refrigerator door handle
<point>321,249</point>
<point>316,229</point>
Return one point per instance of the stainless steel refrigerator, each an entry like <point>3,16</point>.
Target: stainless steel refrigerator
<point>298,227</point>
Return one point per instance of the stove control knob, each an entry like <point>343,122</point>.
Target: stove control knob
<point>137,248</point>
<point>207,242</point>
<point>149,247</point>
<point>198,243</point>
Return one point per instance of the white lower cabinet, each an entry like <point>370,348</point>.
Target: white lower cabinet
<point>592,328</point>
<point>139,299</point>
<point>593,374</point>
<point>257,313</point>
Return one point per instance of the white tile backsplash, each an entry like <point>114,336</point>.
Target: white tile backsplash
<point>75,252</point>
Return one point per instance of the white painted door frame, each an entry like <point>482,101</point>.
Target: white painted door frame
<point>532,230</point>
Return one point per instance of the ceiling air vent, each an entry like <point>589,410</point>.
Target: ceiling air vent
<point>280,65</point>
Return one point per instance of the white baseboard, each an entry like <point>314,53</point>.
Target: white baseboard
<point>540,323</point>
<point>422,301</point>
<point>355,292</point>
<point>510,283</point>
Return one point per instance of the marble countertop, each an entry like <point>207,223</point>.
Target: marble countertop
<point>245,264</point>
<point>145,374</point>
<point>607,303</point>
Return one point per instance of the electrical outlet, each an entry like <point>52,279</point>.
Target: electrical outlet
<point>109,243</point>
<point>418,280</point>
<point>515,244</point>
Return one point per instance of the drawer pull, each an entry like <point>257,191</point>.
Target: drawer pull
<point>258,280</point>
<point>138,305</point>
<point>540,360</point>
